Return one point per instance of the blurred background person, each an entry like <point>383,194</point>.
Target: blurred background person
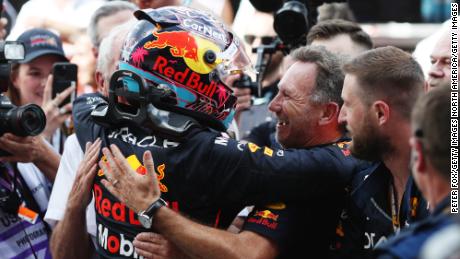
<point>425,46</point>
<point>67,17</point>
<point>440,58</point>
<point>221,8</point>
<point>259,32</point>
<point>106,17</point>
<point>341,37</point>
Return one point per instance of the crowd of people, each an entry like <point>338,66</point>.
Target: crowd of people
<point>163,153</point>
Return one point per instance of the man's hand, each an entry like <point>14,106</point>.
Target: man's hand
<point>151,245</point>
<point>243,94</point>
<point>137,191</point>
<point>80,195</point>
<point>55,116</point>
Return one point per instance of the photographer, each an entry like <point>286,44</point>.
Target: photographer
<point>24,193</point>
<point>31,83</point>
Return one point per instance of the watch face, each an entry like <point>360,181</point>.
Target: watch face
<point>145,221</point>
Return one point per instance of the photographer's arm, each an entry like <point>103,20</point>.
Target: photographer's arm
<point>31,150</point>
<point>70,239</point>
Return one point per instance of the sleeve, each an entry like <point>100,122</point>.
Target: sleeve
<point>238,171</point>
<point>271,222</point>
<point>65,178</point>
<point>260,134</point>
<point>85,128</point>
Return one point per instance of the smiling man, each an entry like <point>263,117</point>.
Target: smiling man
<point>440,62</point>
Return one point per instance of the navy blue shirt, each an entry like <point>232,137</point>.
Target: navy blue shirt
<point>207,176</point>
<point>301,229</point>
<point>367,220</point>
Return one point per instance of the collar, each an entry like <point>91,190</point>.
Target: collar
<point>444,205</point>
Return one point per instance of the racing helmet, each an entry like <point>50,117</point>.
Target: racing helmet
<point>185,54</point>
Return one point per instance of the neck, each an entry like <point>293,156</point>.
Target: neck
<point>397,160</point>
<point>323,137</point>
<point>438,190</point>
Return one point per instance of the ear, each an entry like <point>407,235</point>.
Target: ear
<point>330,113</point>
<point>381,111</point>
<point>14,77</point>
<point>95,52</point>
<point>100,81</point>
<point>417,157</point>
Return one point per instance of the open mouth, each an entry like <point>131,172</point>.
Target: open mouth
<point>282,123</point>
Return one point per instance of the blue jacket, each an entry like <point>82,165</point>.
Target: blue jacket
<point>409,242</point>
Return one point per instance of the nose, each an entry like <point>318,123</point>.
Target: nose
<point>436,70</point>
<point>43,81</point>
<point>275,105</point>
<point>342,116</point>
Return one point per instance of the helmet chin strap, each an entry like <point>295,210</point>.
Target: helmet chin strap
<point>170,123</point>
<point>143,114</point>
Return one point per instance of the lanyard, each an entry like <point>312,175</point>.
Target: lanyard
<point>394,210</point>
<point>10,180</point>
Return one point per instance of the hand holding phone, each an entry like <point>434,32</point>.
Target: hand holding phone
<point>64,76</point>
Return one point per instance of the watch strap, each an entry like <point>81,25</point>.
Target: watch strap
<point>150,211</point>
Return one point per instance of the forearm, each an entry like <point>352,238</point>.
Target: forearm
<point>70,238</point>
<point>199,241</point>
<point>47,161</point>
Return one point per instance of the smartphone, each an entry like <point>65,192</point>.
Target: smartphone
<point>64,76</point>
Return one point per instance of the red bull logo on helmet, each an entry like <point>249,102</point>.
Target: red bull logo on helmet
<point>181,43</point>
<point>266,214</point>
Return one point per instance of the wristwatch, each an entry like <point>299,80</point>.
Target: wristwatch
<point>146,216</point>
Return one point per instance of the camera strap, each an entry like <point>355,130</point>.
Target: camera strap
<point>20,200</point>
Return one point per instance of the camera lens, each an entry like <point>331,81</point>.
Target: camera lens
<point>27,120</point>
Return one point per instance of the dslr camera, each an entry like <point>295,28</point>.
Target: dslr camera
<point>26,120</point>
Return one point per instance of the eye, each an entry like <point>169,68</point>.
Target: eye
<point>286,94</point>
<point>34,73</point>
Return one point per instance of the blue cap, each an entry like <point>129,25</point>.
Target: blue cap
<point>40,42</point>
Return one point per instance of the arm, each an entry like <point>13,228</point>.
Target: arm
<point>191,238</point>
<point>202,241</point>
<point>31,150</point>
<point>69,238</point>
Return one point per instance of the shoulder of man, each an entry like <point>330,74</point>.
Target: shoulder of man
<point>408,243</point>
